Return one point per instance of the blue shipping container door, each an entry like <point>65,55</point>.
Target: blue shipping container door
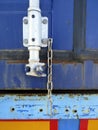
<point>61,19</point>
<point>66,33</point>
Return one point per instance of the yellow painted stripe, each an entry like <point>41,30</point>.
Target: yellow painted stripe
<point>24,125</point>
<point>92,124</point>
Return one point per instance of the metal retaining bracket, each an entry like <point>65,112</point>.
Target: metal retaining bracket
<point>35,36</point>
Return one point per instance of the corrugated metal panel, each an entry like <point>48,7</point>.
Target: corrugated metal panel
<point>65,76</point>
<point>60,15</point>
<point>92,23</point>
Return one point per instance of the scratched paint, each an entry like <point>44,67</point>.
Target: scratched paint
<point>64,106</point>
<point>74,76</point>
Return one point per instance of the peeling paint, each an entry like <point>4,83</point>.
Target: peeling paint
<point>35,106</point>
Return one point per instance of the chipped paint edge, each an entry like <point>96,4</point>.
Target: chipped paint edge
<point>65,106</point>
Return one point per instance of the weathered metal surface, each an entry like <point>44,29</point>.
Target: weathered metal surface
<point>21,56</point>
<point>59,56</point>
<point>65,106</point>
<point>79,36</point>
<point>18,79</point>
<point>74,76</point>
<point>65,76</point>
<point>91,25</point>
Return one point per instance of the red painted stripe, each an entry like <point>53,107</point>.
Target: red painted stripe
<point>53,124</point>
<point>84,124</point>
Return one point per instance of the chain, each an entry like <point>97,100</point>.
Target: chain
<point>49,76</point>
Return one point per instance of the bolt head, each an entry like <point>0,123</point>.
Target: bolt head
<point>27,69</point>
<point>25,41</point>
<point>45,21</point>
<point>25,21</point>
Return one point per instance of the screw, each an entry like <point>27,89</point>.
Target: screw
<point>45,21</point>
<point>25,21</point>
<point>44,41</point>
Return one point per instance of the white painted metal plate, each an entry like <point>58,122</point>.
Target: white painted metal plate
<point>44,30</point>
<point>25,31</point>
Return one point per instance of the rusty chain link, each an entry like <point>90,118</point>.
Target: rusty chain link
<point>49,75</point>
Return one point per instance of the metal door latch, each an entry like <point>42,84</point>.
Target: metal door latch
<point>35,36</point>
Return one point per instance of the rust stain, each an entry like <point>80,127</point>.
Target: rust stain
<point>45,61</point>
<point>71,95</point>
<point>86,98</point>
<point>17,61</point>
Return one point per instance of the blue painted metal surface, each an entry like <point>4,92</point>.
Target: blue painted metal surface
<point>65,106</point>
<point>60,13</point>
<point>65,76</point>
<point>92,23</point>
<point>11,13</point>
<point>68,124</point>
<point>74,76</point>
<point>62,24</point>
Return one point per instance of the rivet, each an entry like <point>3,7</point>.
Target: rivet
<point>45,21</point>
<point>25,21</point>
<point>25,41</point>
